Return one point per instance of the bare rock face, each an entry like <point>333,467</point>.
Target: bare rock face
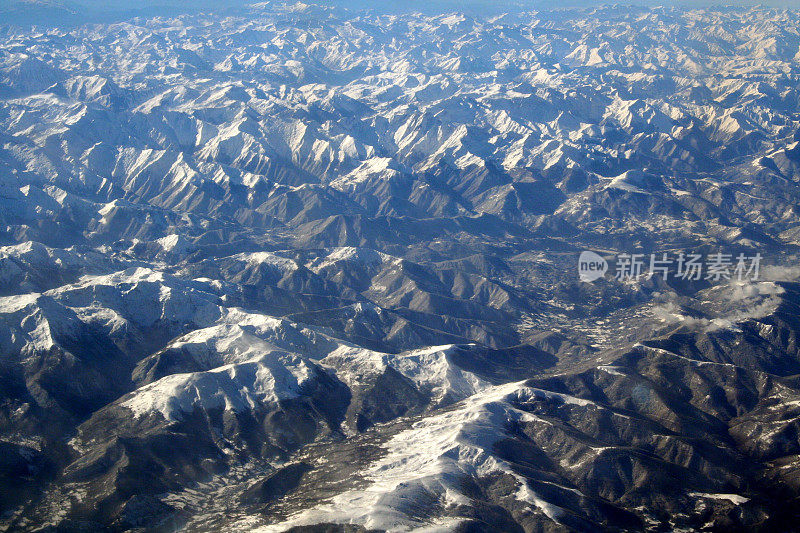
<point>309,268</point>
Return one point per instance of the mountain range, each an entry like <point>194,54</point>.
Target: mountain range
<point>298,267</point>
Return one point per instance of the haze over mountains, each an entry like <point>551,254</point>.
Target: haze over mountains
<point>74,12</point>
<point>293,265</point>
